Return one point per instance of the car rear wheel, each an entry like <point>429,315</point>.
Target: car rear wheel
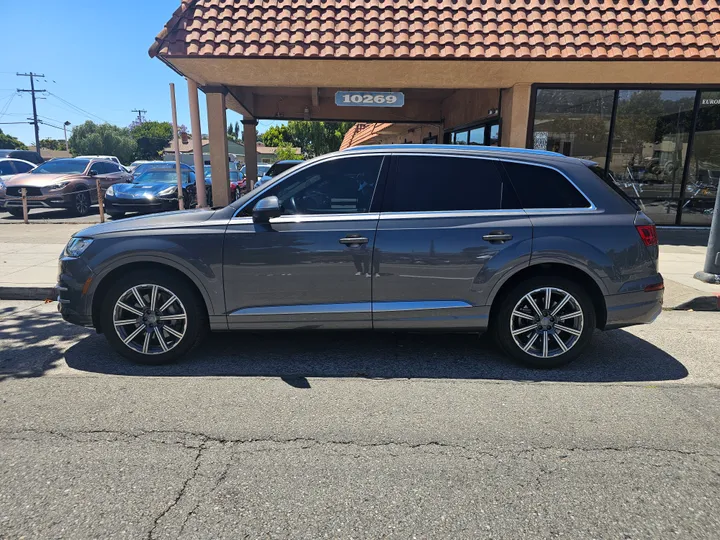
<point>152,319</point>
<point>545,322</point>
<point>81,202</point>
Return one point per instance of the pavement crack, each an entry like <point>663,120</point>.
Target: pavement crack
<point>180,493</point>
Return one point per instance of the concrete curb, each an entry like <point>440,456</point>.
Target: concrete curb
<point>27,293</point>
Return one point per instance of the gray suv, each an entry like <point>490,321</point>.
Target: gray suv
<point>536,247</point>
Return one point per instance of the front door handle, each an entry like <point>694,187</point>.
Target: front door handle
<point>350,240</point>
<point>497,236</point>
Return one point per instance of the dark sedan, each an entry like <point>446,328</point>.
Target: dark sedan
<point>153,191</point>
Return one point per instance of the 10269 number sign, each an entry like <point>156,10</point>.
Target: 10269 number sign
<point>369,99</point>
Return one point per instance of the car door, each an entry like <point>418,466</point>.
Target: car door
<point>309,267</point>
<point>449,229</point>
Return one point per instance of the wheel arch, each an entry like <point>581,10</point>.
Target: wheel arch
<point>554,270</point>
<point>102,286</point>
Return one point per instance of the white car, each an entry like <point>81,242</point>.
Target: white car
<point>10,167</point>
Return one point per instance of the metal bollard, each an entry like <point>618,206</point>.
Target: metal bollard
<point>101,206</point>
<point>23,192</point>
<point>711,272</point>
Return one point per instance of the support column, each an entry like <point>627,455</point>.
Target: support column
<point>250,142</point>
<point>197,143</point>
<point>516,115</point>
<point>217,131</point>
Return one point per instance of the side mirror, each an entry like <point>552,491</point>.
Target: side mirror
<point>93,172</point>
<point>265,209</point>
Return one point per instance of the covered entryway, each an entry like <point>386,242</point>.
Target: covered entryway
<point>460,65</point>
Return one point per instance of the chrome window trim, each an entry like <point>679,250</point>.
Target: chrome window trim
<point>319,218</point>
<point>452,214</point>
<point>501,160</point>
<point>299,168</point>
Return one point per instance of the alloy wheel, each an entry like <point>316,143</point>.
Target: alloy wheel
<point>150,319</point>
<point>82,203</point>
<point>546,322</point>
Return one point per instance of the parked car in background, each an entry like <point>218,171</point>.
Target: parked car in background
<point>277,168</point>
<point>68,183</point>
<point>10,167</point>
<point>533,246</point>
<point>238,186</point>
<point>162,165</point>
<point>26,155</point>
<point>105,158</point>
<point>262,169</point>
<point>156,190</point>
<point>135,164</point>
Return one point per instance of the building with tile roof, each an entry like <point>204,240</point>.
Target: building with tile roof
<point>631,84</point>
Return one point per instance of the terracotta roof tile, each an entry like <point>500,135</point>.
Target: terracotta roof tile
<point>560,29</point>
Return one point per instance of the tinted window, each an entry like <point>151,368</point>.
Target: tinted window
<point>6,167</point>
<point>541,187</point>
<point>340,186</point>
<point>112,167</point>
<point>62,166</point>
<point>277,168</point>
<point>22,167</point>
<point>100,167</point>
<point>443,183</point>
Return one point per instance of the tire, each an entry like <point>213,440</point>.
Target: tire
<point>81,203</point>
<point>186,333</point>
<point>116,215</point>
<point>16,212</point>
<point>535,355</point>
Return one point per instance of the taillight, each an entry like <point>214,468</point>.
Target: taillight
<point>648,233</point>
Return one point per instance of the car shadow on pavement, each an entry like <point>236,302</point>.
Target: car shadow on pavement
<point>37,340</point>
<point>613,357</point>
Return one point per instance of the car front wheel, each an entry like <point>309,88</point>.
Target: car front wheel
<point>152,319</point>
<point>545,322</point>
<point>81,203</point>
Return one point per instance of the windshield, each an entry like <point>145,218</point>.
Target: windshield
<point>164,177</point>
<point>62,166</point>
<point>280,167</point>
<point>263,169</point>
<point>144,167</point>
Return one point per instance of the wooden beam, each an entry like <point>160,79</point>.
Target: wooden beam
<point>315,98</point>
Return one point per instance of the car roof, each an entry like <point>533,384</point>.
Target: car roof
<point>485,151</point>
<point>18,159</point>
<point>283,161</point>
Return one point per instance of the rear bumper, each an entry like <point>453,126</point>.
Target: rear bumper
<point>629,309</point>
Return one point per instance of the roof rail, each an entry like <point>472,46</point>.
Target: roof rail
<point>467,148</point>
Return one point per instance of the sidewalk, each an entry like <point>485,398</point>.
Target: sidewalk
<point>29,255</point>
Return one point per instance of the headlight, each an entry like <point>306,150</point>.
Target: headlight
<point>59,185</point>
<point>168,191</point>
<point>2,185</point>
<point>110,191</point>
<point>77,246</point>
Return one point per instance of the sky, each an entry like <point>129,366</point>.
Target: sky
<point>94,58</point>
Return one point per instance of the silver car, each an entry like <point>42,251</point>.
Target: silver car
<point>535,247</point>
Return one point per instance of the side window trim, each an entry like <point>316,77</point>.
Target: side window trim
<point>300,168</point>
<point>589,208</point>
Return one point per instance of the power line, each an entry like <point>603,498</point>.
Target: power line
<point>140,113</point>
<point>32,91</point>
<point>78,108</point>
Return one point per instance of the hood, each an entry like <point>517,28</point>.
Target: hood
<point>140,190</point>
<point>39,180</point>
<point>152,221</point>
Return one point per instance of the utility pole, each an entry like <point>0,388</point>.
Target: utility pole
<point>32,92</point>
<point>67,146</point>
<point>140,113</point>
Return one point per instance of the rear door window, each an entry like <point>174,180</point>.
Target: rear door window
<point>540,187</point>
<point>22,167</point>
<point>445,184</point>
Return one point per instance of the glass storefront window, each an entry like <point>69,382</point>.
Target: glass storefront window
<point>461,137</point>
<point>477,136</point>
<point>704,167</point>
<point>574,122</point>
<point>494,135</point>
<point>649,148</point>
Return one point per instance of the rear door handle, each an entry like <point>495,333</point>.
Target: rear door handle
<point>498,236</point>
<point>349,240</point>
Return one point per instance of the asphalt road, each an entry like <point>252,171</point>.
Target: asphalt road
<point>354,435</point>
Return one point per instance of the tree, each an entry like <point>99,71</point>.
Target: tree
<point>237,131</point>
<point>52,144</point>
<point>104,139</point>
<point>276,136</point>
<point>10,142</point>
<point>285,150</point>
<point>151,138</point>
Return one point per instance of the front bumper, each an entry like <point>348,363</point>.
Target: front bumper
<point>74,279</point>
<point>118,204</point>
<point>56,200</point>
